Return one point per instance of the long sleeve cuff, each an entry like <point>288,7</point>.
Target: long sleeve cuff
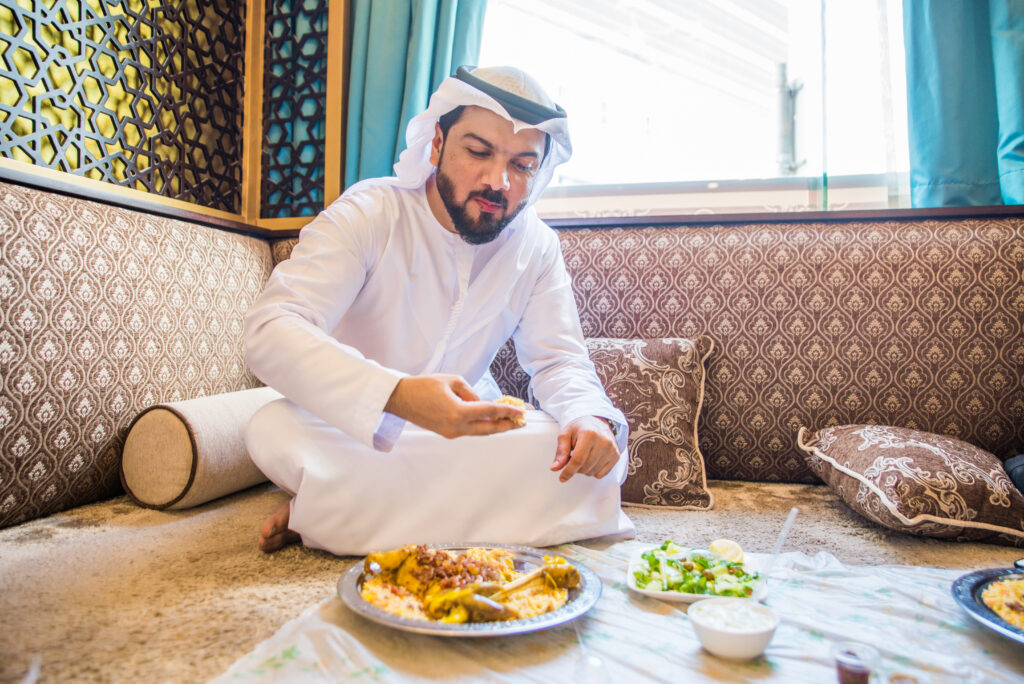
<point>374,426</point>
<point>389,428</point>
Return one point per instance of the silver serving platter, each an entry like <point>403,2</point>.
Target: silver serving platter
<point>581,599</point>
<point>967,591</point>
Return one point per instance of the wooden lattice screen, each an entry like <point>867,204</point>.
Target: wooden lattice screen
<point>145,95</point>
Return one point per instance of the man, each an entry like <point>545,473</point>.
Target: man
<point>391,309</point>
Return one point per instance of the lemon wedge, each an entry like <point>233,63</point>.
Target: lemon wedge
<point>727,549</point>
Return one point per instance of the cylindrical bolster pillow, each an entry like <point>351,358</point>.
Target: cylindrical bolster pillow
<point>185,453</point>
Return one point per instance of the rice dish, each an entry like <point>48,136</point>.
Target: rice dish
<point>478,584</point>
<point>515,402</point>
<point>392,598</point>
<point>1006,599</point>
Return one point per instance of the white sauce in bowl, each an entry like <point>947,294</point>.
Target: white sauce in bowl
<point>742,615</point>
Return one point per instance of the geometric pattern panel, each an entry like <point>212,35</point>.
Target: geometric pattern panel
<point>104,312</point>
<point>142,95</point>
<point>294,108</point>
<point>910,324</point>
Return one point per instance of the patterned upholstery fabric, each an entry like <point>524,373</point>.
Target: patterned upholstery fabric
<point>918,482</point>
<point>916,324</point>
<point>282,249</point>
<point>659,385</point>
<point>103,312</point>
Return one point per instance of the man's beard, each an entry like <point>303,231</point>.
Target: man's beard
<point>485,228</point>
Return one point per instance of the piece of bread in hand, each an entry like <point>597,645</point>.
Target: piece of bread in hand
<point>515,402</point>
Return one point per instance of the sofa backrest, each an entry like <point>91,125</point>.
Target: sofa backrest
<point>915,323</point>
<point>906,323</point>
<point>103,312</point>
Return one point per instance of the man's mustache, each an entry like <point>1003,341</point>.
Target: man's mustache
<point>489,195</point>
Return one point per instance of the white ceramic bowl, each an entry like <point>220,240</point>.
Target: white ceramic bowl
<point>733,628</point>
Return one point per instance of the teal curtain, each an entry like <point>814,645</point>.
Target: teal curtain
<point>401,51</point>
<point>965,101</point>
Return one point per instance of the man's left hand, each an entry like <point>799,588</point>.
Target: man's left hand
<point>586,447</point>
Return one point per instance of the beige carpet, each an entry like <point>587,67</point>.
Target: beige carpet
<point>114,593</point>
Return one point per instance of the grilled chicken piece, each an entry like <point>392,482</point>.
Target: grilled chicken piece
<point>563,574</point>
<point>409,575</point>
<point>386,561</point>
<point>555,572</point>
<point>467,604</point>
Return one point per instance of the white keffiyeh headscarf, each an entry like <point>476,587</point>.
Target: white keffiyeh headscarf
<point>512,90</point>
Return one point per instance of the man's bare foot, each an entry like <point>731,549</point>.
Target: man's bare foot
<point>274,532</point>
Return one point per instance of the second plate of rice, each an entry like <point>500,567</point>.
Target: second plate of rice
<point>993,598</point>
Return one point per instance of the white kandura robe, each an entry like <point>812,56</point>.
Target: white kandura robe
<point>376,289</point>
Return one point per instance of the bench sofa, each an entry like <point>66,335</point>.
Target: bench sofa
<point>108,310</point>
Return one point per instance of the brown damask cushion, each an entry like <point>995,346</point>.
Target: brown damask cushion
<point>918,482</point>
<point>659,385</point>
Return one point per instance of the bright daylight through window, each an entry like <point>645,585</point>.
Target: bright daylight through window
<point>716,106</point>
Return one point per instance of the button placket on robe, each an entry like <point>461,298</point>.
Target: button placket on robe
<point>463,254</point>
<point>514,254</point>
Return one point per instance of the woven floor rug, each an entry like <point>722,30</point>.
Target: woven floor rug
<point>111,592</point>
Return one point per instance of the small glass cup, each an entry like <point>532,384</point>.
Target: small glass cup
<point>854,662</point>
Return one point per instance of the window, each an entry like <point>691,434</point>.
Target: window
<point>716,106</point>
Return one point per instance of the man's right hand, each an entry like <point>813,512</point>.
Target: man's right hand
<point>447,405</point>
